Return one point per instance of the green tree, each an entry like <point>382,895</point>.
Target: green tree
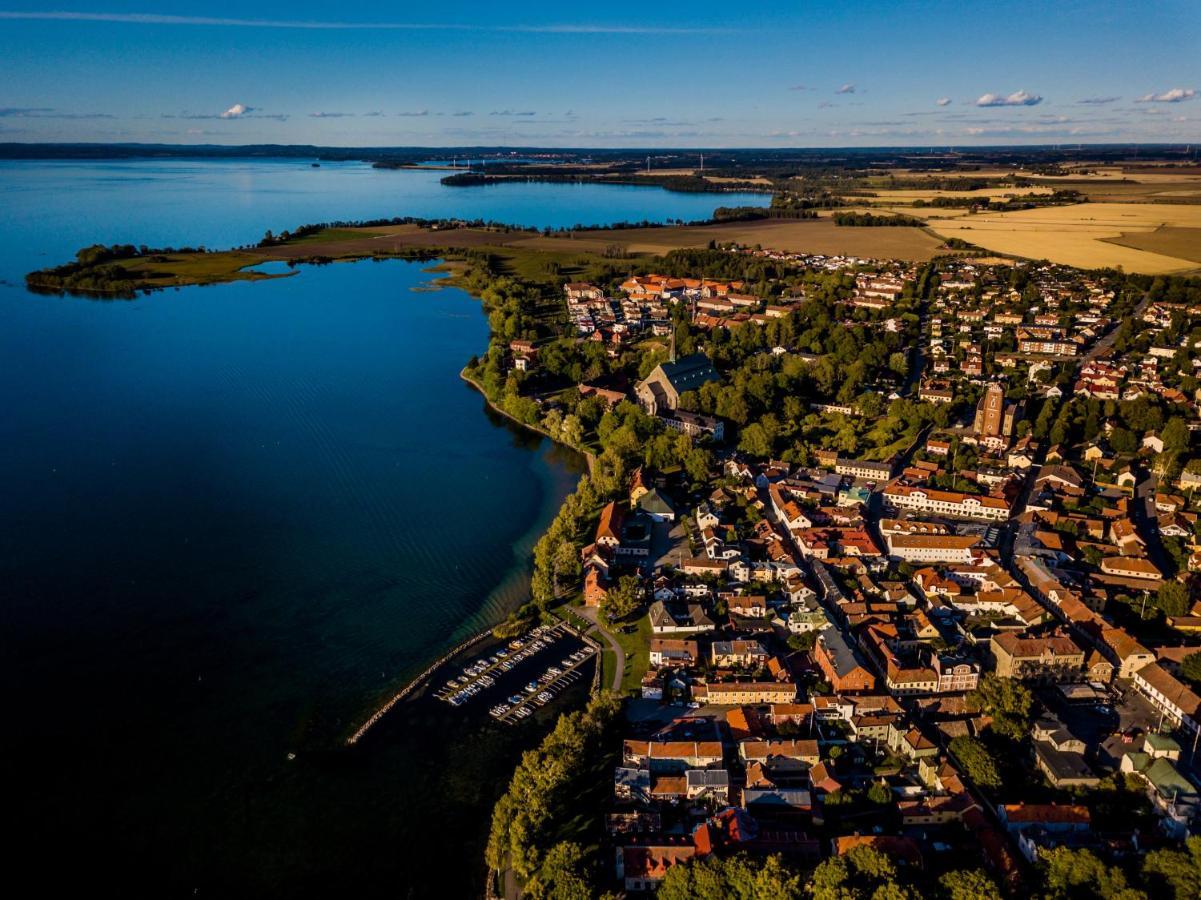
<point>858,874</point>
<point>969,884</point>
<point>623,599</point>
<point>1175,871</point>
<point>1190,668</point>
<point>735,878</point>
<point>565,564</point>
<point>1007,700</point>
<point>1172,597</point>
<point>563,875</point>
<point>879,793</point>
<point>1175,435</point>
<point>572,431</point>
<point>697,464</point>
<point>754,441</point>
<point>978,764</point>
<point>1123,440</point>
<point>1080,875</point>
<point>540,798</point>
<point>805,641</point>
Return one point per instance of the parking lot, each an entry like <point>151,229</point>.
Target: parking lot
<point>1102,725</point>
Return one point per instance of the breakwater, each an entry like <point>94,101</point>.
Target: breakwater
<point>414,685</point>
<point>420,680</point>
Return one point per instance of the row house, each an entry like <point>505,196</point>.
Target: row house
<point>947,503</point>
<point>931,548</point>
<point>744,693</point>
<point>1169,695</point>
<point>769,752</point>
<point>668,757</point>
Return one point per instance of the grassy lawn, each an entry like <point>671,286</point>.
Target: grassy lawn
<point>565,613</point>
<point>335,234</point>
<point>608,661</point>
<point>636,645</point>
<point>166,270</point>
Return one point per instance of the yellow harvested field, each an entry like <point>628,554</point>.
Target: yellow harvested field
<point>1080,235</point>
<point>660,172</point>
<point>716,179</point>
<point>1139,174</point>
<point>754,179</point>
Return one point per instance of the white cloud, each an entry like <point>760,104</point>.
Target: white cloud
<point>1098,101</point>
<point>943,101</point>
<point>238,109</point>
<point>846,89</point>
<point>1175,95</point>
<point>1017,98</point>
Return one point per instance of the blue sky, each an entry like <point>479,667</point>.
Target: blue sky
<point>663,74</point>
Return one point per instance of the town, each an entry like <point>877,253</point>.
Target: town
<point>897,564</point>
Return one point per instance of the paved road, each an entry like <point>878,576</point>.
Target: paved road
<point>1105,343</point>
<point>591,614</point>
<point>1144,514</point>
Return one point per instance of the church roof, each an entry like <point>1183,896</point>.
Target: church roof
<point>689,372</point>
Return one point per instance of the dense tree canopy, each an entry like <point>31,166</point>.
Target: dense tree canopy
<point>1008,701</point>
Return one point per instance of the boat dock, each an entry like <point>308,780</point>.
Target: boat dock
<point>530,672</point>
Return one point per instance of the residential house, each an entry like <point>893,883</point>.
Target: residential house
<point>673,652</point>
<point>643,866</point>
<point>1059,754</point>
<point>665,620</point>
<point>738,654</point>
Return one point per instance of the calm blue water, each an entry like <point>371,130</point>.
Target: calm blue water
<point>65,205</point>
<point>235,517</point>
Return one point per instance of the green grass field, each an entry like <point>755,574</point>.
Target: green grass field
<point>636,645</point>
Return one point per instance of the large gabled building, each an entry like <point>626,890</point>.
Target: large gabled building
<point>659,392</point>
<point>1048,659</point>
<point>841,664</point>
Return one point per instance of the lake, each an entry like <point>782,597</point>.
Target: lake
<point>237,517</point>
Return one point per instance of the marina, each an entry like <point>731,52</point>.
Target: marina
<point>526,674</point>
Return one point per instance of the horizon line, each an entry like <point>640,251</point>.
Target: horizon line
<point>926,147</point>
<point>318,25</point>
